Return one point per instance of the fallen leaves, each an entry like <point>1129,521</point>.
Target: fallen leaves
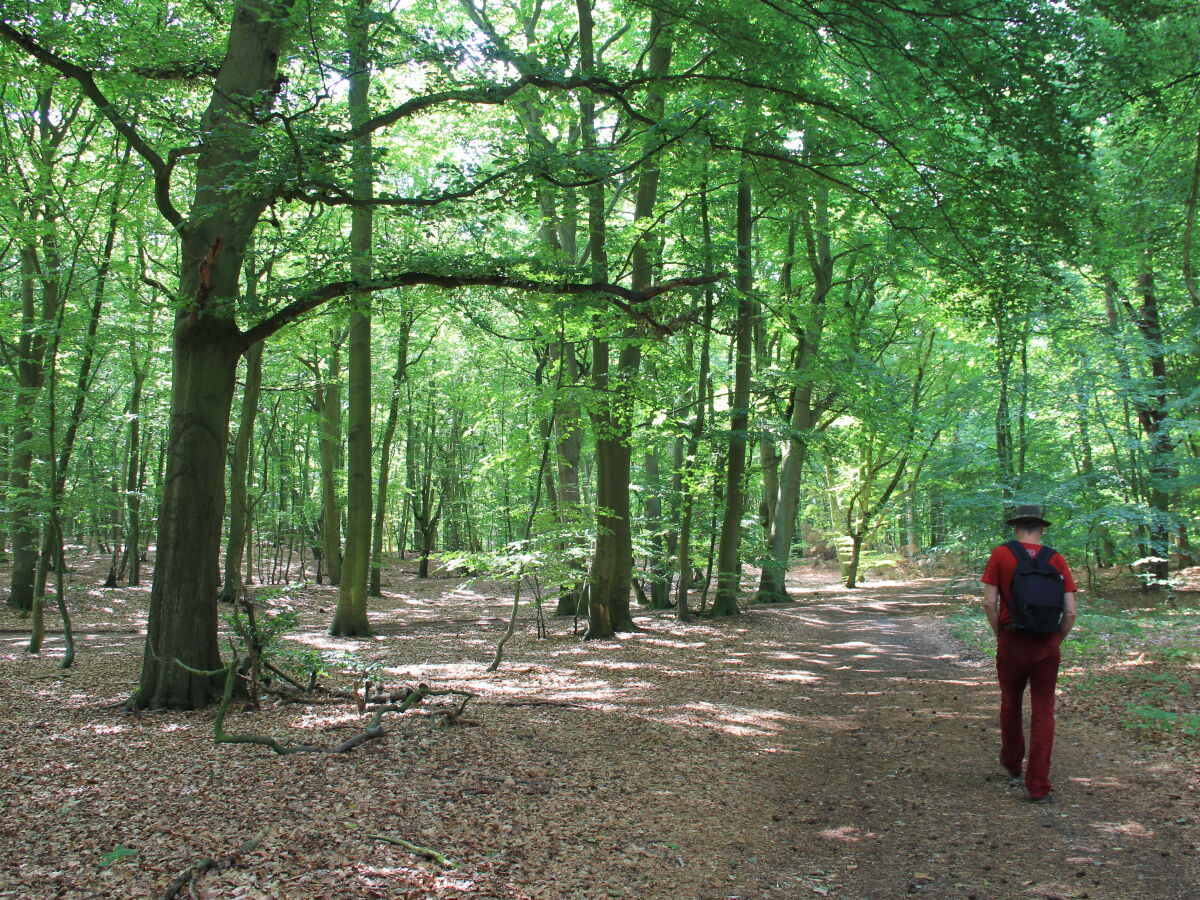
<point>646,768</point>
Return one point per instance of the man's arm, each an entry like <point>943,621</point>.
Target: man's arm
<point>991,608</point>
<point>1069,613</point>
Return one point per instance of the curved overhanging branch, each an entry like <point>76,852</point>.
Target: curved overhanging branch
<point>87,83</point>
<point>624,298</point>
<point>488,96</point>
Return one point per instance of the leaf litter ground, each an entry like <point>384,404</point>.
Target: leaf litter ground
<point>839,746</point>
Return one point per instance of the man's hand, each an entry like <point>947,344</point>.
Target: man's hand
<point>991,608</point>
<point>1069,613</point>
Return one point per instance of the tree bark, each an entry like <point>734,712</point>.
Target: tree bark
<point>37,321</point>
<point>569,441</point>
<point>1153,416</point>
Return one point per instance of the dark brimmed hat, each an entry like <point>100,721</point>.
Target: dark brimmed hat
<point>1028,514</point>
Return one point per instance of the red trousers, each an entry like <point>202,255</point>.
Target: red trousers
<point>1027,659</point>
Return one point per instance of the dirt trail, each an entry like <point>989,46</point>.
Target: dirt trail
<point>882,779</point>
<point>837,747</point>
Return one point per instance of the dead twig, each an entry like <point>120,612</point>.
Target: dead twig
<point>423,852</point>
<point>208,863</point>
<point>286,677</point>
<point>373,730</point>
<point>563,703</point>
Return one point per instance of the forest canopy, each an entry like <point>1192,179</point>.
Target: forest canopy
<point>639,296</point>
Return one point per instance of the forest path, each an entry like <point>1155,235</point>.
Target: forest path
<point>884,781</point>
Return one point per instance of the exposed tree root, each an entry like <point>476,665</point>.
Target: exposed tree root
<point>423,852</point>
<point>208,863</point>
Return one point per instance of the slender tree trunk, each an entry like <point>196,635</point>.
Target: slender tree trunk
<point>613,561</point>
<point>239,504</point>
<point>1149,401</point>
<point>568,423</point>
<point>569,442</point>
<point>729,566</point>
<point>23,523</point>
<point>1007,449</point>
<point>426,503</point>
<point>52,534</point>
<point>350,617</point>
<point>1153,418</point>
<point>803,413</point>
<point>691,469</point>
<point>1189,233</point>
<point>327,401</point>
<point>642,263</point>
<point>851,571</point>
<point>770,457</point>
<point>133,494</point>
<point>375,588</point>
<point>36,325</point>
<point>911,534</point>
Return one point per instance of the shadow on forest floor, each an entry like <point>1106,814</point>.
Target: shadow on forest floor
<point>841,745</point>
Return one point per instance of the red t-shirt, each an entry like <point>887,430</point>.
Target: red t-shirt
<point>1002,565</point>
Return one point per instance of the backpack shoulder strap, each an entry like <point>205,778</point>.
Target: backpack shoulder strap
<point>1020,554</point>
<point>1043,558</point>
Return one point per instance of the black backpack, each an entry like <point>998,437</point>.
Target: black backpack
<point>1037,599</point>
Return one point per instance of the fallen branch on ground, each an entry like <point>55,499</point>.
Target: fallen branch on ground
<point>423,852</point>
<point>208,863</point>
<point>373,730</point>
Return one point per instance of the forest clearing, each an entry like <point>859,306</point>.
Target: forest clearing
<point>842,745</point>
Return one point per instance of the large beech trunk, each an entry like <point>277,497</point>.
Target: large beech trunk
<point>612,571</point>
<point>612,567</point>
<point>206,346</point>
<point>183,600</point>
<point>350,617</point>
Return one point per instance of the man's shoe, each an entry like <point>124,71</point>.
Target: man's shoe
<point>1014,779</point>
<point>1045,799</point>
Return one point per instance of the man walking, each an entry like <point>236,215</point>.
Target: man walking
<point>1027,645</point>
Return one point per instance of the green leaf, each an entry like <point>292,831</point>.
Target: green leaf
<point>116,854</point>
